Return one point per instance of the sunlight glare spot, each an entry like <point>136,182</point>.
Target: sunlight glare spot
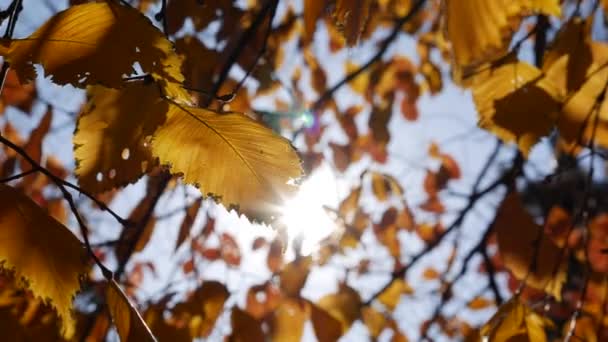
<point>304,215</point>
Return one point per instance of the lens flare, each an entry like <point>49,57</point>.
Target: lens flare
<point>304,214</point>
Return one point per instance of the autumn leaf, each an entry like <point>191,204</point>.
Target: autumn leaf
<point>584,116</point>
<point>374,320</point>
<point>351,18</point>
<point>187,222</point>
<point>343,305</point>
<point>526,251</point>
<point>327,328</point>
<point>202,308</point>
<point>480,31</point>
<point>516,103</point>
<point>262,300</point>
<point>287,323</point>
<point>113,132</point>
<point>293,276</point>
<point>514,321</point>
<point>244,327</point>
<point>391,296</point>
<point>313,9</point>
<point>42,252</point>
<point>94,43</point>
<point>14,93</point>
<point>229,156</point>
<point>131,327</point>
<point>127,243</point>
<point>479,303</point>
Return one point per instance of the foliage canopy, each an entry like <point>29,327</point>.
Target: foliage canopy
<point>174,91</point>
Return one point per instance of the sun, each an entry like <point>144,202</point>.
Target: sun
<point>304,215</point>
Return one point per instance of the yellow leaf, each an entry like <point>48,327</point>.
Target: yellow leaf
<point>351,17</point>
<point>360,84</point>
<point>293,276</point>
<point>95,43</point>
<point>520,240</point>
<point>288,320</point>
<point>374,320</point>
<point>515,103</point>
<point>569,58</point>
<point>480,30</point>
<point>514,321</point>
<point>130,325</point>
<point>111,142</point>
<point>327,328</point>
<point>230,157</point>
<point>344,306</point>
<point>391,296</point>
<point>42,252</point>
<point>577,121</point>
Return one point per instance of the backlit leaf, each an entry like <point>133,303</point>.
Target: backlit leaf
<point>288,320</point>
<point>479,303</point>
<point>374,320</point>
<point>111,142</point>
<point>94,43</point>
<point>42,252</point>
<point>516,104</point>
<point>519,237</point>
<point>351,17</point>
<point>262,300</point>
<point>130,325</point>
<point>327,328</point>
<point>481,30</point>
<point>293,276</point>
<point>202,308</point>
<point>230,157</point>
<point>187,222</point>
<point>514,321</point>
<point>245,328</point>
<point>391,296</point>
<point>343,306</point>
<point>313,9</point>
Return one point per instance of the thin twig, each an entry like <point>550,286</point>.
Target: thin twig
<point>240,45</point>
<point>17,176</point>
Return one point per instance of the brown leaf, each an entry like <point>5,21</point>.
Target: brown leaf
<point>245,328</point>
<point>522,244</point>
<point>293,276</point>
<point>327,328</point>
<point>351,18</point>
<point>202,308</point>
<point>187,222</point>
<point>344,306</point>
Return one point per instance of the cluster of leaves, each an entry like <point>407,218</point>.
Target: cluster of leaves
<point>167,104</point>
